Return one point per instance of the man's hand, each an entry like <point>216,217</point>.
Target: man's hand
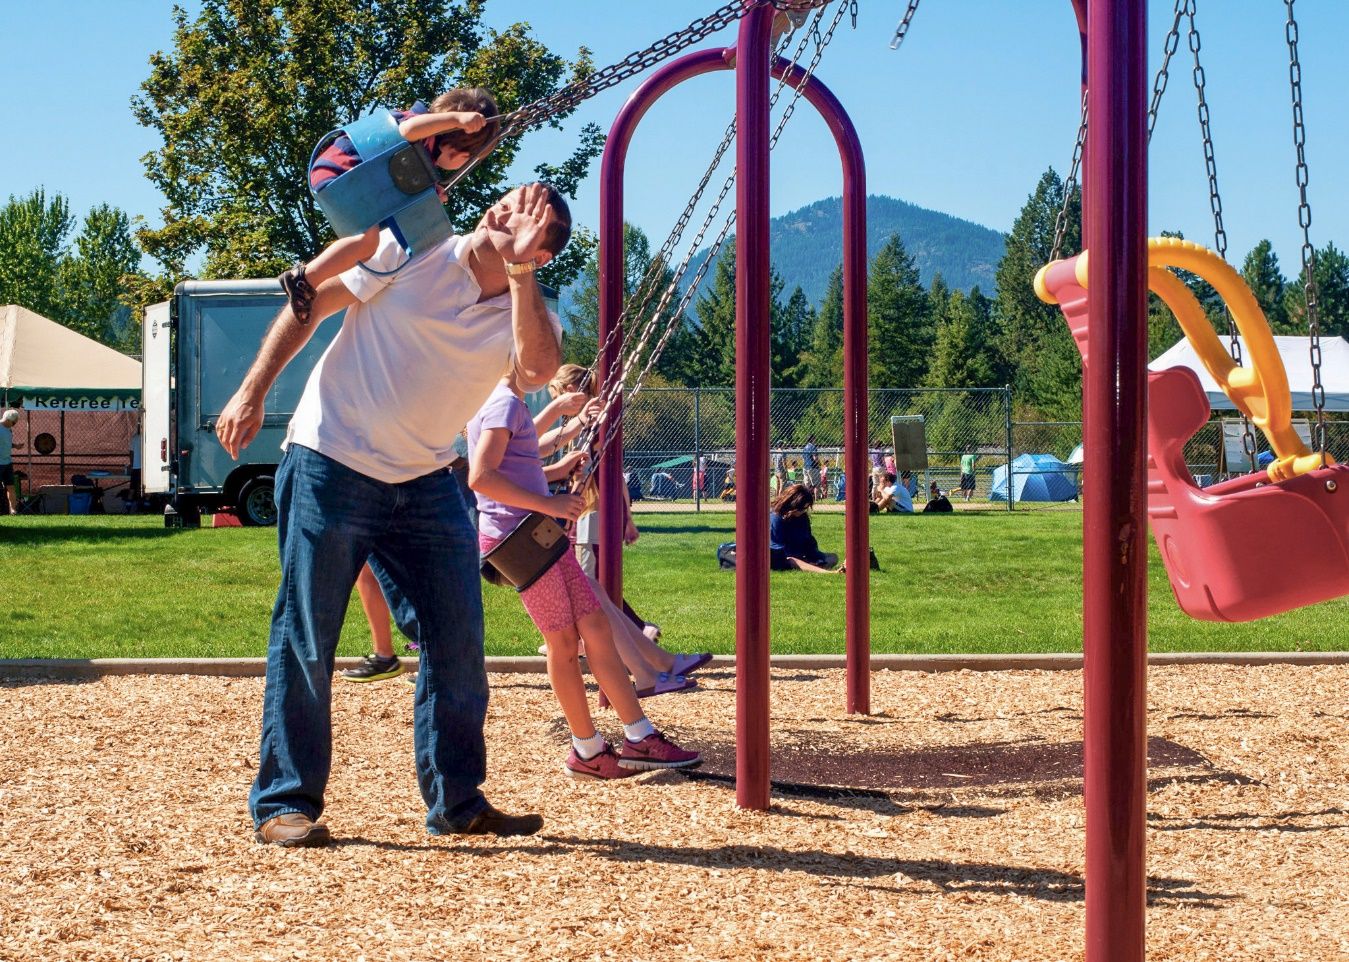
<point>239,423</point>
<point>516,224</point>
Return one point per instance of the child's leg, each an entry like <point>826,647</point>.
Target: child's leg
<point>376,612</point>
<point>564,674</point>
<point>607,667</point>
<point>341,255</point>
<point>642,657</point>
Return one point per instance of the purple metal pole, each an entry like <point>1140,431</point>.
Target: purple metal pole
<point>752,375</point>
<point>1114,516</point>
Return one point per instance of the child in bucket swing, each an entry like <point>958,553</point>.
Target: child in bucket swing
<point>452,130</point>
<point>510,482</point>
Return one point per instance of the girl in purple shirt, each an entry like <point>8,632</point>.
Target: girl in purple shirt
<point>510,482</point>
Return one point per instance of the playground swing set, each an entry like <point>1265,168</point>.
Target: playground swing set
<point>1206,536</point>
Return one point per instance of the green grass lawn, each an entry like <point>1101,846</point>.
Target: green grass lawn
<point>970,582</point>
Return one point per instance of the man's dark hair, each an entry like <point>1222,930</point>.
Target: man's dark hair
<point>559,232</point>
<point>890,477</point>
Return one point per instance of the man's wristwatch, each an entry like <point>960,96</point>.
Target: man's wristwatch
<point>523,267</point>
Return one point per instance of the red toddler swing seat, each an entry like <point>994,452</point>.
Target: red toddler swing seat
<point>1256,545</point>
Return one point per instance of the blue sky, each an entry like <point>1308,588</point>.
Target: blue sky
<point>982,97</point>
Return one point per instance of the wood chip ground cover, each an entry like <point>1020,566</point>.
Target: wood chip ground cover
<point>960,837</point>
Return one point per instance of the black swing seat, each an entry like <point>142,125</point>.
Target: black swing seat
<point>526,554</point>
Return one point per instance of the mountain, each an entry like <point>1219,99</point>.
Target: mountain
<point>808,244</point>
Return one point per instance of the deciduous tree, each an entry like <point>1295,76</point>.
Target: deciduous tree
<point>247,91</point>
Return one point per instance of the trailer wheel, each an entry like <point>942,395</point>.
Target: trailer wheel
<point>256,504</point>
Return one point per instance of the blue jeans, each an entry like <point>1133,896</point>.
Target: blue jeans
<point>417,537</point>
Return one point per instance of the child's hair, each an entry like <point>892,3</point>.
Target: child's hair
<point>569,377</point>
<point>468,99</point>
<point>794,501</point>
<point>890,477</point>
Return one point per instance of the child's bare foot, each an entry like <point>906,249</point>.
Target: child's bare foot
<point>299,292</point>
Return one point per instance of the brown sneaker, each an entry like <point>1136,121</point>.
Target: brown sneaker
<point>491,822</point>
<point>292,830</point>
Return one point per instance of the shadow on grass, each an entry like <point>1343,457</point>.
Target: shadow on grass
<point>658,528</point>
<point>48,534</point>
<point>956,878</point>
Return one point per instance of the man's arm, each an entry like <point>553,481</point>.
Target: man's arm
<point>241,418</point>
<point>538,352</point>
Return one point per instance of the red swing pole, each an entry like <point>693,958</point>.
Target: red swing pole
<point>1114,527</point>
<point>752,376</point>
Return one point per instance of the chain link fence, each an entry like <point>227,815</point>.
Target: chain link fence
<point>679,447</point>
<point>679,443</point>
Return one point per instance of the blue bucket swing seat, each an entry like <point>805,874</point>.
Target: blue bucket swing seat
<point>393,185</point>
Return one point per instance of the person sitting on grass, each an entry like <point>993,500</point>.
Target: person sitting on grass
<point>510,482</point>
<point>937,501</point>
<point>452,130</point>
<point>791,546</point>
<point>892,497</point>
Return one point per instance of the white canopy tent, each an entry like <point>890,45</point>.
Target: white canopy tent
<point>50,367</point>
<point>1296,354</point>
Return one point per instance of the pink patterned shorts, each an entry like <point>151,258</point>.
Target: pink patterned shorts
<point>560,598</point>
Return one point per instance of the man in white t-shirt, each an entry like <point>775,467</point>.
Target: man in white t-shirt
<point>364,475</point>
<point>7,422</point>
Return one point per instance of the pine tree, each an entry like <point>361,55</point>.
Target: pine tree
<point>958,358</point>
<point>792,323</point>
<point>1332,295</point>
<point>1031,333</point>
<point>33,232</point>
<point>899,330</point>
<point>1261,273</point>
<point>822,362</point>
<point>714,364</point>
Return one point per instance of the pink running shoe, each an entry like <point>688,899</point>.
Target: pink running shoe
<point>602,767</point>
<point>656,751</point>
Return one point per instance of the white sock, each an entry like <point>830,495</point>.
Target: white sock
<point>588,748</point>
<point>638,730</point>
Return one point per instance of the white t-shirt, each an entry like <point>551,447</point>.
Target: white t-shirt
<point>416,357</point>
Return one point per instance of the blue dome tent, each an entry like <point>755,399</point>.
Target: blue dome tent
<point>1036,477</point>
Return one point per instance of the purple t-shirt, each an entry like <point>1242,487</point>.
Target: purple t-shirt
<point>519,464</point>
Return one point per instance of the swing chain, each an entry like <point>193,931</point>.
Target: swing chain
<point>570,96</point>
<point>1070,184</point>
<point>1163,72</point>
<point>903,27</point>
<point>1304,219</point>
<point>1158,88</point>
<point>1248,444</point>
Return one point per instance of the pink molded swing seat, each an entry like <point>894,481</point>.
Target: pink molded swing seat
<point>1243,549</point>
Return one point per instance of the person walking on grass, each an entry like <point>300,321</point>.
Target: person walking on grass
<point>364,476</point>
<point>967,472</point>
